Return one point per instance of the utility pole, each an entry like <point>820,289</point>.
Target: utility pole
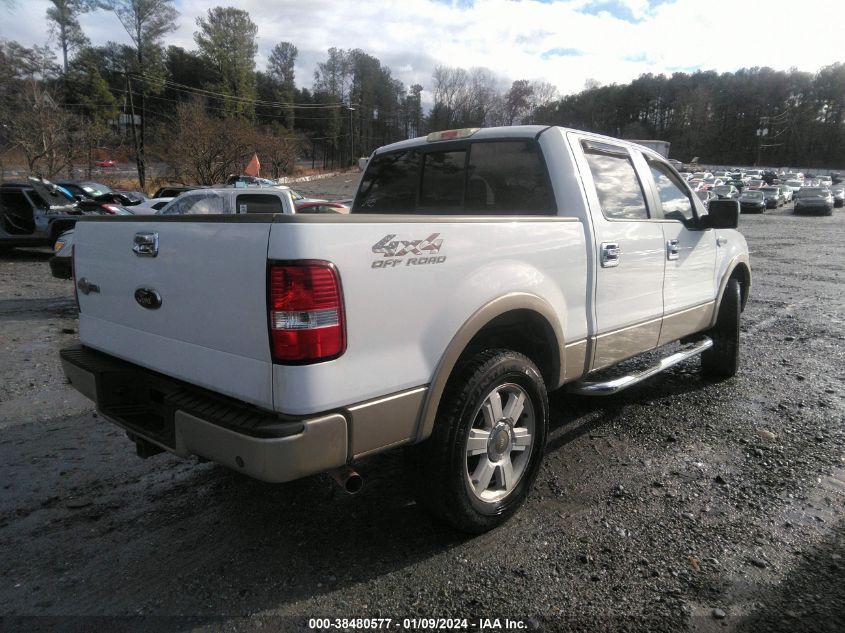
<point>351,136</point>
<point>761,132</point>
<point>139,161</point>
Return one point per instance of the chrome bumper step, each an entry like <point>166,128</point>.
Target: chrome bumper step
<point>616,385</point>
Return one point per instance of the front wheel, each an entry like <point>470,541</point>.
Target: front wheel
<point>485,452</point>
<point>722,360</point>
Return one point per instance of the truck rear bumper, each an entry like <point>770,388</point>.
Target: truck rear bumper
<point>186,420</point>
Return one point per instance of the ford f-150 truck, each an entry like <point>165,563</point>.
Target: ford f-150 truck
<point>478,270</point>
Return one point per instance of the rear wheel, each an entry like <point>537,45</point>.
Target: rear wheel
<point>485,452</point>
<point>722,360</point>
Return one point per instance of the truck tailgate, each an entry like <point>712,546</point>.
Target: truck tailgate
<point>210,278</point>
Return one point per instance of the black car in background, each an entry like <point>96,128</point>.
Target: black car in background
<point>816,200</point>
<point>171,191</point>
<point>34,213</point>
<point>739,183</point>
<point>773,197</point>
<point>92,194</point>
<point>752,202</point>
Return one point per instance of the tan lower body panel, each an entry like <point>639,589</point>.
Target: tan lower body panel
<point>385,422</point>
<point>686,322</point>
<point>575,360</point>
<point>614,347</point>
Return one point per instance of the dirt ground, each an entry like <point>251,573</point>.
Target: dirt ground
<point>679,505</point>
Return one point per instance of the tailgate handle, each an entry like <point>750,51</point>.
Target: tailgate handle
<point>146,244</point>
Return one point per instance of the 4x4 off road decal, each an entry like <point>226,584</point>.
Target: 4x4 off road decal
<point>393,251</point>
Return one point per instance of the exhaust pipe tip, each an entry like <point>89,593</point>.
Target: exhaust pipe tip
<point>348,479</point>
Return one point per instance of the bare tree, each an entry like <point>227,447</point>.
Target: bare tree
<point>451,90</point>
<point>542,94</point>
<point>32,120</point>
<point>42,130</point>
<point>277,148</point>
<point>204,149</point>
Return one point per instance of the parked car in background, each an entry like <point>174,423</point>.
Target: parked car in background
<point>105,162</point>
<point>794,185</point>
<point>816,200</point>
<point>706,196</point>
<point>85,188</point>
<point>752,202</point>
<point>171,191</point>
<point>60,262</point>
<point>773,197</point>
<point>755,183</point>
<point>770,177</point>
<point>726,192</point>
<point>321,207</point>
<point>151,206</point>
<point>132,197</point>
<point>786,192</point>
<point>838,192</point>
<point>34,213</point>
<point>739,183</point>
<point>236,200</point>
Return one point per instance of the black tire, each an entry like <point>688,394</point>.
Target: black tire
<point>440,468</point>
<point>722,360</point>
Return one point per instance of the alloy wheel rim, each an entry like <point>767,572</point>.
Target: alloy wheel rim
<point>499,443</point>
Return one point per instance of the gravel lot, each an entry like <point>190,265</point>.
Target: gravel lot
<point>679,505</point>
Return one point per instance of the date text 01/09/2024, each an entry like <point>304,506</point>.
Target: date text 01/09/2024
<point>418,624</point>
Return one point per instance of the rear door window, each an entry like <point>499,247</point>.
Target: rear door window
<point>508,178</point>
<point>443,181</point>
<point>390,184</point>
<point>497,178</point>
<point>617,185</point>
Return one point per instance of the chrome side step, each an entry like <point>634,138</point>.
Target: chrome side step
<point>616,385</point>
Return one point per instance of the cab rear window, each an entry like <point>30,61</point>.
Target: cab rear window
<point>480,178</point>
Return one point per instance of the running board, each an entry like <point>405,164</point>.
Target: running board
<point>618,384</point>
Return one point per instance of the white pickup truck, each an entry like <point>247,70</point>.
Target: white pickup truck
<point>478,270</point>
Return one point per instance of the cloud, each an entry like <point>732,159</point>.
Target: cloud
<point>563,42</point>
<point>561,52</point>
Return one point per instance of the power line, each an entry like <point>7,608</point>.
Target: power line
<point>245,100</point>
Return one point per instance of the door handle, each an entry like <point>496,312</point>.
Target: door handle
<point>673,251</point>
<point>610,253</point>
<point>146,244</point>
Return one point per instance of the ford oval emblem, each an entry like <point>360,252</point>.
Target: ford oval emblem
<point>148,298</point>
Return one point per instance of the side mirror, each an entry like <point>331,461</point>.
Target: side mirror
<point>721,214</point>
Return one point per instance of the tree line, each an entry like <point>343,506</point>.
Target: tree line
<point>204,111</point>
<point>756,116</point>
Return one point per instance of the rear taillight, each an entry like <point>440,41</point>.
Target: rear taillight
<point>305,306</point>
<point>73,274</point>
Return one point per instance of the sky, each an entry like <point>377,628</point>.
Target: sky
<point>563,42</point>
